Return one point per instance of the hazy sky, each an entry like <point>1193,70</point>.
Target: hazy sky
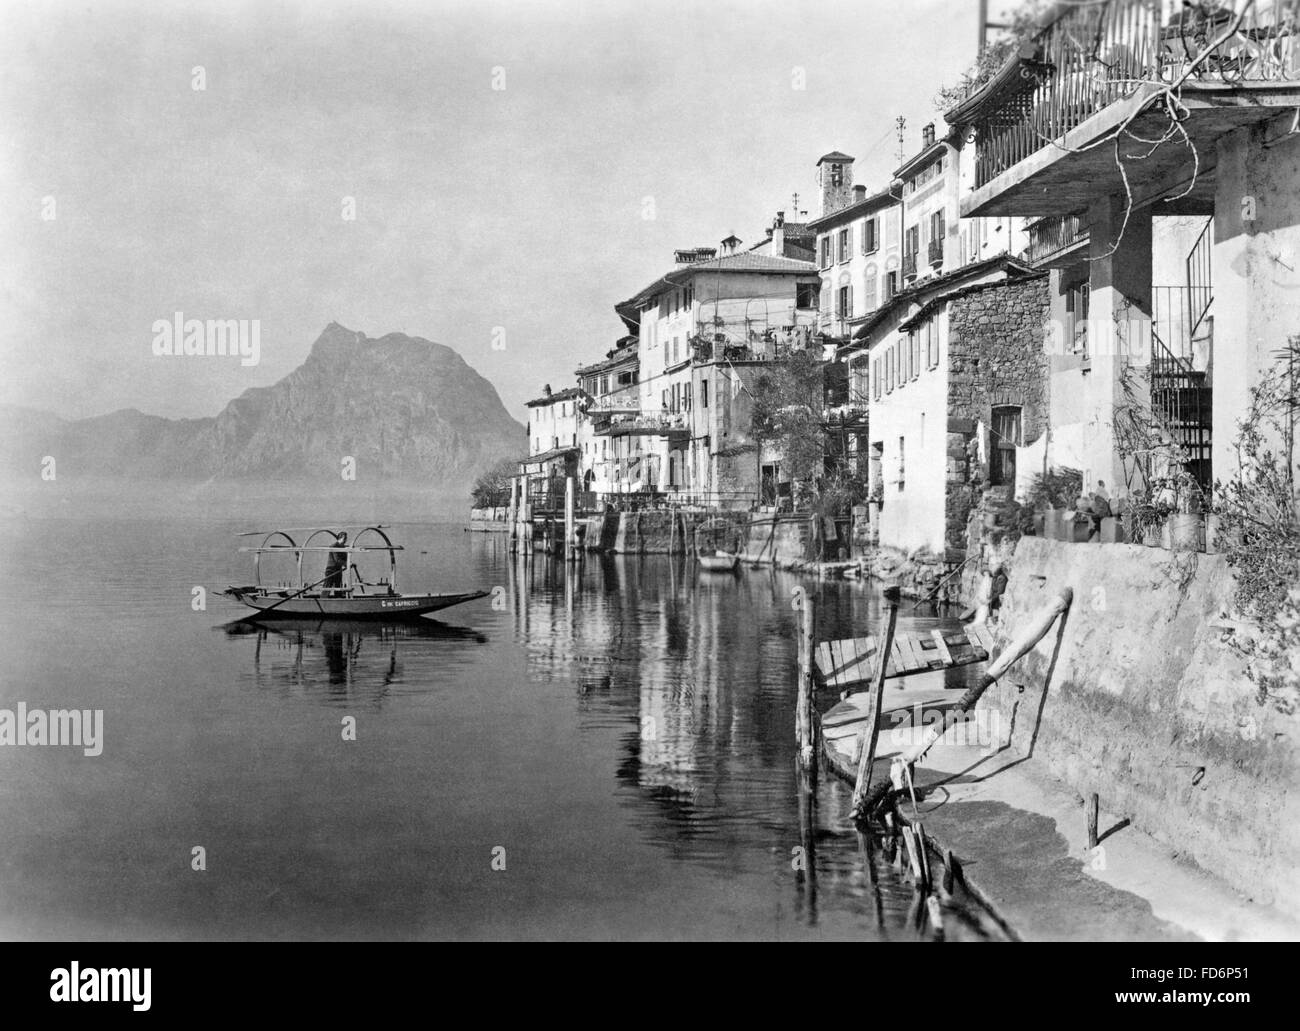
<point>476,207</point>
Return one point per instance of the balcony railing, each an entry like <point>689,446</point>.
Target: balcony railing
<point>1052,235</point>
<point>935,252</point>
<point>626,400</point>
<point>1094,54</point>
<point>909,264</point>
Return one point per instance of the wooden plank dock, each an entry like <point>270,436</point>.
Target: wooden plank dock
<point>842,664</point>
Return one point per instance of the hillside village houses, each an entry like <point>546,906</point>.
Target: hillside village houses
<point>996,302</point>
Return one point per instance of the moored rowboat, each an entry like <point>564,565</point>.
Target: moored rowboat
<point>342,593</point>
<point>719,562</point>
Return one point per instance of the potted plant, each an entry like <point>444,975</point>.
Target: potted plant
<point>1052,493</point>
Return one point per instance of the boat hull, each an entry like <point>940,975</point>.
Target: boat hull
<point>402,606</point>
<point>719,563</point>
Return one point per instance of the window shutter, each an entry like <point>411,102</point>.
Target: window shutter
<point>869,293</point>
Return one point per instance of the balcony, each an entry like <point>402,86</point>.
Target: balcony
<point>663,424</point>
<point>935,252</point>
<point>1054,240</point>
<point>1097,65</point>
<point>625,401</point>
<point>909,265</point>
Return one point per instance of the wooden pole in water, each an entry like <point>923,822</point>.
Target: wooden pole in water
<point>1017,649</point>
<point>871,728</point>
<point>513,513</point>
<point>1093,806</point>
<point>570,485</point>
<point>804,716</point>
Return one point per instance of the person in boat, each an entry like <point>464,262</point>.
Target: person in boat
<point>337,563</point>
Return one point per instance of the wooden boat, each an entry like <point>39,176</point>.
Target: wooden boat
<point>708,536</point>
<point>719,561</point>
<point>351,598</point>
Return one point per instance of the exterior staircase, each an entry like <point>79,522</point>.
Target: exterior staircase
<point>1181,393</point>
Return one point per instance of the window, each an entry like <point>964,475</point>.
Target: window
<point>704,393</point>
<point>844,302</point>
<point>912,241</point>
<point>1006,437</point>
<point>869,289</point>
<point>826,252</point>
<point>806,295</point>
<point>914,361</point>
<point>932,344</point>
<point>937,225</point>
<point>870,236</point>
<point>843,248</point>
<point>891,284</point>
<point>837,175</point>
<point>1077,300</point>
<point>901,464</point>
<point>891,366</point>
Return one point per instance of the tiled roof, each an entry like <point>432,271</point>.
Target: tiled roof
<point>834,155</point>
<point>855,210</point>
<point>948,283</point>
<point>623,356</point>
<point>746,261</point>
<point>567,394</point>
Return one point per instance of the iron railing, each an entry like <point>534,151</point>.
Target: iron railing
<point>1199,281</point>
<point>1181,396</point>
<point>1094,54</point>
<point>1176,319</point>
<point>1052,235</point>
<point>935,252</point>
<point>909,263</point>
<point>626,400</point>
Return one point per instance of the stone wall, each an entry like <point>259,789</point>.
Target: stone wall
<point>996,352</point>
<point>1149,706</point>
<point>493,520</point>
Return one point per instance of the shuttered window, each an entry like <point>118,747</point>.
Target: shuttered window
<point>869,291</point>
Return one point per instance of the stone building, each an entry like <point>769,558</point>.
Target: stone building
<point>957,389</point>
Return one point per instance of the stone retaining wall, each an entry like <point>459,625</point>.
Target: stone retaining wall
<point>1149,706</point>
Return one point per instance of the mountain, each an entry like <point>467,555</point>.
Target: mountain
<point>411,413</point>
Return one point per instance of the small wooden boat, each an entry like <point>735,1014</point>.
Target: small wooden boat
<point>719,561</point>
<point>710,535</point>
<point>344,595</point>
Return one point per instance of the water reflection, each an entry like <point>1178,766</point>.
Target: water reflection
<point>350,663</point>
<point>697,672</point>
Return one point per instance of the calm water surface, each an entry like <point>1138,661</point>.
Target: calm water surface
<point>625,735</point>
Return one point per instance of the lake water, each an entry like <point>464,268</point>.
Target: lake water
<point>620,739</point>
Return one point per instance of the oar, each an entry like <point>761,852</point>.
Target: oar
<point>290,597</point>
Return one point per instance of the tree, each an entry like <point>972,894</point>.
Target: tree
<point>492,488</point>
<point>787,414</point>
<point>1022,26</point>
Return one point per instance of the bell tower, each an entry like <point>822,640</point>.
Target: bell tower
<point>835,177</point>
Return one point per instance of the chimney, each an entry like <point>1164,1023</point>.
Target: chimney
<point>778,235</point>
<point>859,194</point>
<point>927,135</point>
<point>546,390</point>
<point>835,176</point>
